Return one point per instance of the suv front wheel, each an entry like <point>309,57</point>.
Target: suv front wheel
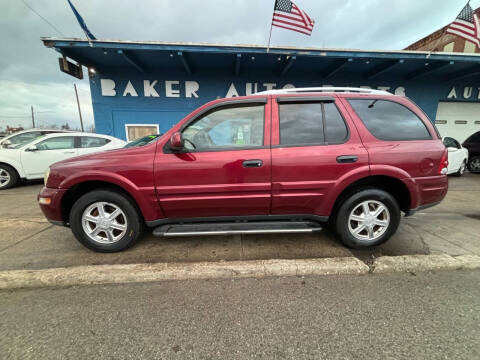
<point>105,221</point>
<point>367,218</point>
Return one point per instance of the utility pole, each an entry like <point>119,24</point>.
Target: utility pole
<point>78,104</point>
<point>33,117</point>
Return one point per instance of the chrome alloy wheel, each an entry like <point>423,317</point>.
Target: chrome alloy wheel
<point>462,168</point>
<point>4,178</point>
<point>369,220</point>
<point>104,222</point>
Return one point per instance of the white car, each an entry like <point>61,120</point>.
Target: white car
<point>23,137</point>
<point>31,160</point>
<point>457,156</point>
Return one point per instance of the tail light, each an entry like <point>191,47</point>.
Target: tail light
<point>442,169</point>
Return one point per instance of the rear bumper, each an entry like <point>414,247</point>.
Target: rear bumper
<point>52,204</point>
<point>426,192</point>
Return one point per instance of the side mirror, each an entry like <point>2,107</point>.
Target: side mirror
<point>32,148</point>
<point>176,142</point>
<point>6,144</point>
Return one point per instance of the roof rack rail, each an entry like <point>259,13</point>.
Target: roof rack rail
<point>325,89</point>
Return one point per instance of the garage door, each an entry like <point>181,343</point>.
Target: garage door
<point>458,120</point>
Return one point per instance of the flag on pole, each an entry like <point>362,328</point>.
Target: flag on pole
<point>81,22</point>
<point>289,16</point>
<point>466,25</point>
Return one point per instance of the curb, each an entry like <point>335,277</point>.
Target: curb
<point>418,263</point>
<point>118,274</point>
<point>131,273</point>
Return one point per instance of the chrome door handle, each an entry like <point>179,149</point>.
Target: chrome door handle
<point>252,163</point>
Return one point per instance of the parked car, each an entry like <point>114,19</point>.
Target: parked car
<point>20,138</point>
<point>281,161</point>
<point>143,141</point>
<point>31,160</point>
<point>457,156</point>
<point>472,144</point>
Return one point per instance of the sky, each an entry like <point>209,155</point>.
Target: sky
<point>29,73</point>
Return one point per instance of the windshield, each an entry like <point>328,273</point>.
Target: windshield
<point>17,141</point>
<point>142,141</point>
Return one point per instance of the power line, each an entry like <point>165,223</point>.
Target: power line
<point>41,17</point>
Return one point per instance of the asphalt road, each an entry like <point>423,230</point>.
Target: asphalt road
<point>395,316</point>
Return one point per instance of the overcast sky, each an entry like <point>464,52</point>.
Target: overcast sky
<point>29,73</point>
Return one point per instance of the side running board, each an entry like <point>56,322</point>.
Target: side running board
<point>231,228</point>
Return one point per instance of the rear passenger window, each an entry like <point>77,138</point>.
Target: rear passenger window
<point>311,123</point>
<point>301,124</point>
<point>92,142</point>
<point>335,128</point>
<point>388,120</point>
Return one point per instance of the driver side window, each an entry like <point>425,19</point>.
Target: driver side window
<point>230,127</point>
<point>451,142</point>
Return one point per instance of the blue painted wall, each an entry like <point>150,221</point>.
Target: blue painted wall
<point>113,112</point>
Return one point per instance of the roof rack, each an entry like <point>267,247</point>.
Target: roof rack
<point>326,89</point>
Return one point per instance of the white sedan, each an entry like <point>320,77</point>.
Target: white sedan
<point>457,156</point>
<point>31,160</point>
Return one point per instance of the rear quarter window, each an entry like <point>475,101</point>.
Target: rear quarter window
<point>389,120</point>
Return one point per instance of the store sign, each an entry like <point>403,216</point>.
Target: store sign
<point>191,89</point>
<point>464,93</point>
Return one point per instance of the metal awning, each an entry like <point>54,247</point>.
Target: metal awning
<point>327,64</point>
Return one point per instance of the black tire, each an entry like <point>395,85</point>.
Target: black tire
<point>134,222</point>
<point>461,171</point>
<point>12,174</point>
<point>341,221</point>
<point>474,164</point>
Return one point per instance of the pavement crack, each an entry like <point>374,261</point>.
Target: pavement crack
<point>27,238</point>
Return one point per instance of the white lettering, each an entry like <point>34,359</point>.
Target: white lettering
<point>251,88</point>
<point>269,86</point>
<point>452,94</point>
<point>288,86</point>
<point>149,88</point>
<point>130,90</point>
<point>467,92</point>
<point>108,87</point>
<point>400,91</point>
<point>170,91</point>
<point>232,91</point>
<point>191,88</point>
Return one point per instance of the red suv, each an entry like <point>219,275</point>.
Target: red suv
<point>283,161</point>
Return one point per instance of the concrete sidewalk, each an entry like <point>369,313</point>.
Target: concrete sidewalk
<point>27,241</point>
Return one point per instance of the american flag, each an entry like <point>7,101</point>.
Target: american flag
<point>289,16</point>
<point>466,25</point>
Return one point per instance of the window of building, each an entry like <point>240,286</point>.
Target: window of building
<point>235,126</point>
<point>57,143</point>
<point>389,120</point>
<point>136,131</point>
<point>92,142</point>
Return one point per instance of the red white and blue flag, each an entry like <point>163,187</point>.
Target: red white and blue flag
<point>289,16</point>
<point>466,25</point>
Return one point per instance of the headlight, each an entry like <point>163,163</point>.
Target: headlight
<point>45,176</point>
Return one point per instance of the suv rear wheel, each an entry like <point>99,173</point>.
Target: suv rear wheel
<point>105,221</point>
<point>367,218</point>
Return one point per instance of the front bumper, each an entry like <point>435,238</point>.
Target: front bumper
<point>50,202</point>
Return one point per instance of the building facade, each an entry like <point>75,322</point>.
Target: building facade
<point>142,88</point>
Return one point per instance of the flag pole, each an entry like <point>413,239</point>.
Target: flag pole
<point>271,27</point>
